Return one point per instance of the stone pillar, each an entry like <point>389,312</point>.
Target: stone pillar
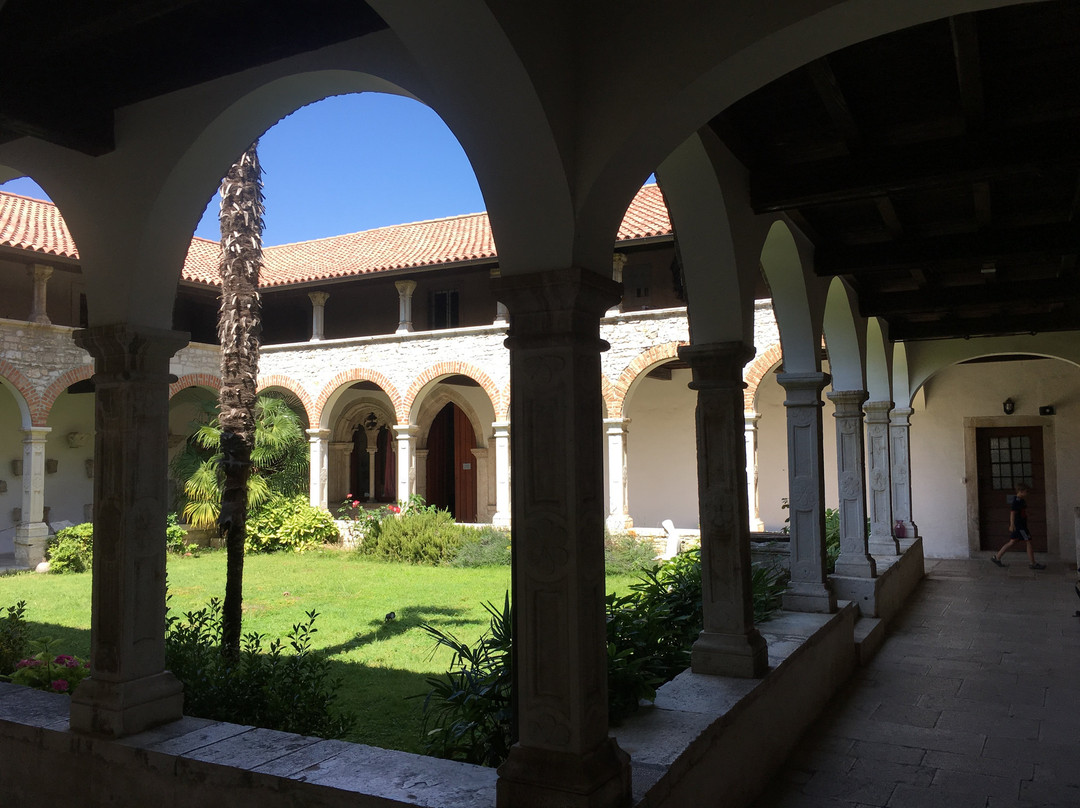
<point>618,261</point>
<point>750,421</point>
<point>319,466</point>
<point>128,689</point>
<point>483,484</point>
<point>31,533</point>
<point>855,559</point>
<point>372,449</point>
<point>502,473</point>
<point>41,274</point>
<point>405,291</point>
<point>900,457</point>
<point>563,756</point>
<point>809,589</point>
<point>338,477</point>
<point>879,496</point>
<point>405,436</point>
<point>502,314</point>
<point>729,645</point>
<point>318,314</point>
<point>618,517</point>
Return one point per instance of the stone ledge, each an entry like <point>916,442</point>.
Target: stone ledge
<point>884,595</point>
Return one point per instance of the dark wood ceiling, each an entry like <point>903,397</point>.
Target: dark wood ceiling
<point>935,168</point>
<point>77,61</point>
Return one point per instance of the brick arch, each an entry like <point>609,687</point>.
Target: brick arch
<point>25,396</point>
<point>756,370</point>
<point>638,365</point>
<point>612,405</point>
<point>502,412</point>
<point>351,376</point>
<point>195,380</point>
<point>453,367</point>
<point>293,386</point>
<point>59,385</point>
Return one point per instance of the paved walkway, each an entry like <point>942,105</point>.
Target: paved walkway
<point>973,700</point>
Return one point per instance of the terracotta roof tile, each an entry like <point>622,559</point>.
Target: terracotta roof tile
<point>34,225</point>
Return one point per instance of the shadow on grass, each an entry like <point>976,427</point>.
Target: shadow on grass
<point>403,620</point>
<point>66,640</point>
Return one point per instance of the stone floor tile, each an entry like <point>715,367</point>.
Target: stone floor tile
<point>913,716</point>
<point>908,796</point>
<point>989,723</point>
<point>870,791</point>
<point>890,753</point>
<point>1050,795</point>
<point>892,772</point>
<point>987,785</point>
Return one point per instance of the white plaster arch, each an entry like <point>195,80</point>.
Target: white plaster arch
<point>796,295</point>
<point>901,377</point>
<point>353,414</point>
<point>27,420</point>
<point>879,360</point>
<point>845,338</point>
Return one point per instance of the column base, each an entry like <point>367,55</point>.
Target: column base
<point>541,778</point>
<point>742,655</point>
<point>30,540</point>
<point>619,523</point>
<point>119,709</point>
<point>858,567</point>
<point>808,597</point>
<point>501,519</point>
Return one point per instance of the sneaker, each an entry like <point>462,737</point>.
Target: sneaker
<point>1038,566</point>
<point>997,561</point>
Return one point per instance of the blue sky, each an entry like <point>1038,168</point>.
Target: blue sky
<point>351,163</point>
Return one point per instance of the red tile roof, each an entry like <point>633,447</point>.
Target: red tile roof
<point>33,225</point>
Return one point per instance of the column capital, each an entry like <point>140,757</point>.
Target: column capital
<point>501,428</point>
<point>318,298</point>
<point>556,302</point>
<point>717,364</point>
<point>403,431</point>
<point>901,415</point>
<point>803,381</point>
<point>405,288</point>
<point>616,424</point>
<point>877,411</point>
<point>36,433</point>
<point>317,434</point>
<point>122,352</point>
<point>847,399</point>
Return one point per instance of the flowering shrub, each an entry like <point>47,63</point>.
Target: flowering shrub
<point>59,673</point>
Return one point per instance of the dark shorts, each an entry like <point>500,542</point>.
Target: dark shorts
<point>1020,535</point>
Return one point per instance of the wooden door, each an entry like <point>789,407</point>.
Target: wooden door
<point>464,468</point>
<point>1006,457</point>
<point>451,465</point>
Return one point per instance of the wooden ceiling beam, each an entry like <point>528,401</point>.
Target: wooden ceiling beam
<point>957,298</point>
<point>832,98</point>
<point>917,167</point>
<point>965,37</point>
<point>966,248</point>
<point>889,216</point>
<point>960,328</point>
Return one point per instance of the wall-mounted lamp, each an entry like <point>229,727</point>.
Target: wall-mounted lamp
<point>1008,406</point>
<point>1047,410</point>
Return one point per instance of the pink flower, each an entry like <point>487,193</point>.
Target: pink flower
<point>59,685</point>
<point>393,509</point>
<point>28,663</point>
<point>356,504</point>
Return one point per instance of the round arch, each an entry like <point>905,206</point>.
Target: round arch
<point>879,360</point>
<point>333,390</point>
<point>797,303</point>
<point>425,382</point>
<point>845,340</point>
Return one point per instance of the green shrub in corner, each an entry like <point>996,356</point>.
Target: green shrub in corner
<point>420,534</point>
<point>289,523</point>
<point>14,637</point>
<point>71,549</point>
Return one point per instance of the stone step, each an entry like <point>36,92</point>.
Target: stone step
<point>869,634</point>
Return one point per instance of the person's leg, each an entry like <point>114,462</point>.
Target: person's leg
<point>1004,549</point>
<point>1030,552</point>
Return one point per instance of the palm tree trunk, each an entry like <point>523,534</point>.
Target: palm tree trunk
<point>239,325</point>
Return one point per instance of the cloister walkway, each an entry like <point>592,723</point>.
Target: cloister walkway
<point>972,701</point>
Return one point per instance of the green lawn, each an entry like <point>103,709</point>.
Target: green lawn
<point>380,663</point>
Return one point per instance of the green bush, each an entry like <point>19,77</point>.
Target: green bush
<point>71,549</point>
<point>832,538</point>
<point>14,637</point>
<point>291,692</point>
<point>420,534</point>
<point>176,536</point>
<point>49,671</point>
<point>626,553</point>
<point>482,547</point>
<point>289,523</point>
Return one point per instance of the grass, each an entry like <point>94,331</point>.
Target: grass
<point>381,663</point>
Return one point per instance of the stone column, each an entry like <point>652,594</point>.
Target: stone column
<point>128,689</point>
<point>372,449</point>
<point>618,517</point>
<point>405,436</point>
<point>41,274</point>
<point>900,457</point>
<point>318,314</point>
<point>31,533</point>
<point>319,466</point>
<point>502,314</point>
<point>729,645</point>
<point>879,496</point>
<point>502,473</point>
<point>855,559</point>
<point>564,755</point>
<point>338,477</point>
<point>750,421</point>
<point>809,589</point>
<point>405,291</point>
<point>618,261</point>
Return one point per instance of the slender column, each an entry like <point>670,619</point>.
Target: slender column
<point>338,477</point>
<point>618,516</point>
<point>879,497</point>
<point>128,689</point>
<point>808,590</point>
<point>855,559</point>
<point>318,466</point>
<point>371,451</point>
<point>405,292</point>
<point>750,422</point>
<point>563,756</point>
<point>618,261</point>
<point>729,645</point>
<point>900,457</point>
<point>502,473</point>
<point>41,274</point>
<point>32,533</point>
<point>318,314</point>
<point>405,435</point>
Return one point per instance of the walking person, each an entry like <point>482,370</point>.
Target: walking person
<point>1018,530</point>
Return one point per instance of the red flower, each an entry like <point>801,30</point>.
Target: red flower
<point>59,685</point>
<point>393,509</point>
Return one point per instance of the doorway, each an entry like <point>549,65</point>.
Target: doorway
<point>1007,457</point>
<point>451,465</point>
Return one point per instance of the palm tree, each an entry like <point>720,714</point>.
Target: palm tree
<point>239,325</point>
